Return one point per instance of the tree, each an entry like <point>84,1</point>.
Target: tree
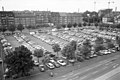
<point>99,47</point>
<point>58,26</point>
<point>3,29</point>
<point>85,51</point>
<point>29,27</point>
<point>96,24</point>
<point>20,27</point>
<point>79,25</point>
<point>69,25</point>
<point>75,24</point>
<point>73,44</point>
<point>79,56</point>
<point>89,24</point>
<point>63,25</point>
<point>38,53</point>
<point>87,47</point>
<point>11,28</point>
<point>109,44</point>
<point>19,62</point>
<point>99,40</point>
<point>56,48</point>
<point>87,43</point>
<point>68,52</point>
<point>84,24</point>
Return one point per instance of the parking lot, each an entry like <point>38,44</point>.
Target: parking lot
<point>41,40</point>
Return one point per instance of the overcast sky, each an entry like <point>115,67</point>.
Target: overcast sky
<point>58,5</point>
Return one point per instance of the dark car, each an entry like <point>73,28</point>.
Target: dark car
<point>42,68</point>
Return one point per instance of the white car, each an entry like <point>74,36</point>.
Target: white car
<point>61,62</point>
<point>3,40</point>
<point>50,65</point>
<point>36,63</point>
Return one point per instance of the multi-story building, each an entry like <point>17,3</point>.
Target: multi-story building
<point>55,18</point>
<point>42,17</point>
<point>63,19</point>
<point>66,18</point>
<point>6,18</point>
<point>24,17</point>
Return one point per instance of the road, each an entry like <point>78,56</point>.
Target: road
<point>99,71</point>
<point>97,66</point>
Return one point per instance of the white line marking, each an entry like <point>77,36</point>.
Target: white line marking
<point>115,65</point>
<point>109,74</point>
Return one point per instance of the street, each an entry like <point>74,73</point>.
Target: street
<point>88,70</point>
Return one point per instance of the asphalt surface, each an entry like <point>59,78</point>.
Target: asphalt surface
<point>97,66</point>
<point>94,72</point>
<point>40,42</point>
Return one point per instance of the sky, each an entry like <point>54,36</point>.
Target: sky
<point>59,5</point>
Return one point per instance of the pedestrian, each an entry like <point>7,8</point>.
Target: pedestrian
<point>51,74</point>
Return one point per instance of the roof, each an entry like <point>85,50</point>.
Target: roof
<point>63,14</point>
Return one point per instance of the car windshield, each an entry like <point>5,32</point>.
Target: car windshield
<point>61,61</point>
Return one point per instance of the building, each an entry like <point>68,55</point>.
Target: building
<point>35,18</point>
<point>112,17</point>
<point>66,18</point>
<point>25,18</point>
<point>6,18</point>
<point>55,18</point>
<point>42,17</point>
<point>63,19</point>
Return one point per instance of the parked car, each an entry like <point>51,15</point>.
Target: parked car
<point>50,65</point>
<point>61,62</point>
<point>3,40</point>
<point>55,63</point>
<point>36,63</point>
<point>42,68</point>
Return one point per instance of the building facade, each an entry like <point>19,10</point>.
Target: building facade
<point>7,18</point>
<point>66,18</point>
<point>42,17</point>
<point>25,18</point>
<point>55,18</point>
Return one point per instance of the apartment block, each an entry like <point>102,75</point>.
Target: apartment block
<point>6,18</point>
<point>24,17</point>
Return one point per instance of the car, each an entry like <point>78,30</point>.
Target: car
<point>61,62</point>
<point>36,63</point>
<point>3,40</point>
<point>72,60</point>
<point>55,63</point>
<point>49,65</point>
<point>42,68</point>
<point>112,50</point>
<point>6,44</point>
<point>106,52</point>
